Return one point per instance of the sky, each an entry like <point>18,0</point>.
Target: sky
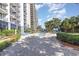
<point>46,12</point>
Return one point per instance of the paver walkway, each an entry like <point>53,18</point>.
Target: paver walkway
<point>46,45</point>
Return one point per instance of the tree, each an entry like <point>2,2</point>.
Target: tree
<point>65,25</point>
<point>73,22</point>
<point>77,20</point>
<point>39,28</point>
<point>48,26</point>
<point>54,23</point>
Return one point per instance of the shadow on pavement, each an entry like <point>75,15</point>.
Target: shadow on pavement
<point>36,46</point>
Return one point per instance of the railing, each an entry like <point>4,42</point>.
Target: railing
<point>2,10</point>
<point>5,20</point>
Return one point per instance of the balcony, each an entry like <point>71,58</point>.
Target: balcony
<point>15,4</point>
<point>3,11</point>
<point>13,17</point>
<point>5,19</point>
<point>5,4</point>
<point>12,9</point>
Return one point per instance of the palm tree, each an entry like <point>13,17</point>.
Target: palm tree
<point>48,26</point>
<point>66,25</point>
<point>56,23</point>
<point>72,21</point>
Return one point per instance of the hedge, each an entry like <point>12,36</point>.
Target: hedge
<point>9,34</point>
<point>68,37</point>
<point>4,44</point>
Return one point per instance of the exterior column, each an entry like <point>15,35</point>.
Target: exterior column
<point>28,18</point>
<point>21,18</point>
<point>8,8</point>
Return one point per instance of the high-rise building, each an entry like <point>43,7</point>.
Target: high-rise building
<point>25,16</point>
<point>31,17</point>
<point>18,15</point>
<point>3,14</point>
<point>14,15</point>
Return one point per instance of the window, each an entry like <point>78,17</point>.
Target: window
<point>13,13</point>
<point>0,5</point>
<point>0,16</point>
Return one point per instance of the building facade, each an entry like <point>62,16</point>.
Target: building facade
<point>32,21</point>
<point>3,14</point>
<point>14,15</point>
<point>18,16</point>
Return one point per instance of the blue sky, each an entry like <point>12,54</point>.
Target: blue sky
<point>46,12</point>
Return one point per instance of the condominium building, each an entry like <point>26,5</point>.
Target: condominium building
<point>18,16</point>
<point>14,15</point>
<point>25,16</point>
<point>32,21</point>
<point>3,13</point>
<point>9,15</point>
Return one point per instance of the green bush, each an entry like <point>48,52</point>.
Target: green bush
<point>29,30</point>
<point>7,32</point>
<point>68,37</point>
<point>17,37</point>
<point>4,44</point>
<point>11,34</point>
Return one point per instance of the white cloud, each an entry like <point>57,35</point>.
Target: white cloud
<point>56,10</point>
<point>38,6</point>
<point>55,6</point>
<point>48,16</point>
<point>57,14</point>
<point>49,19</point>
<point>60,13</point>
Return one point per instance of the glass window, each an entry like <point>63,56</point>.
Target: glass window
<point>0,16</point>
<point>0,5</point>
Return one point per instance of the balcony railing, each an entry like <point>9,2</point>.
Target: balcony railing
<point>5,4</point>
<point>3,11</point>
<point>13,16</point>
<point>4,19</point>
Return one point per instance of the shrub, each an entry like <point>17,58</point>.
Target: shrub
<point>12,38</point>
<point>7,32</point>
<point>16,37</point>
<point>29,30</point>
<point>69,37</point>
<point>4,44</point>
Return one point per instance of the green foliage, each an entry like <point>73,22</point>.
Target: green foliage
<point>48,26</point>
<point>69,37</point>
<point>7,32</point>
<point>40,29</point>
<point>18,36</point>
<point>65,25</point>
<point>70,24</point>
<point>54,23</point>
<point>4,44</point>
<point>29,30</point>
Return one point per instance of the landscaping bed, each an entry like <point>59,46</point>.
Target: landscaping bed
<point>7,37</point>
<point>72,38</point>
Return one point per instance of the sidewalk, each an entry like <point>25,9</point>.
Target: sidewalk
<point>33,45</point>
